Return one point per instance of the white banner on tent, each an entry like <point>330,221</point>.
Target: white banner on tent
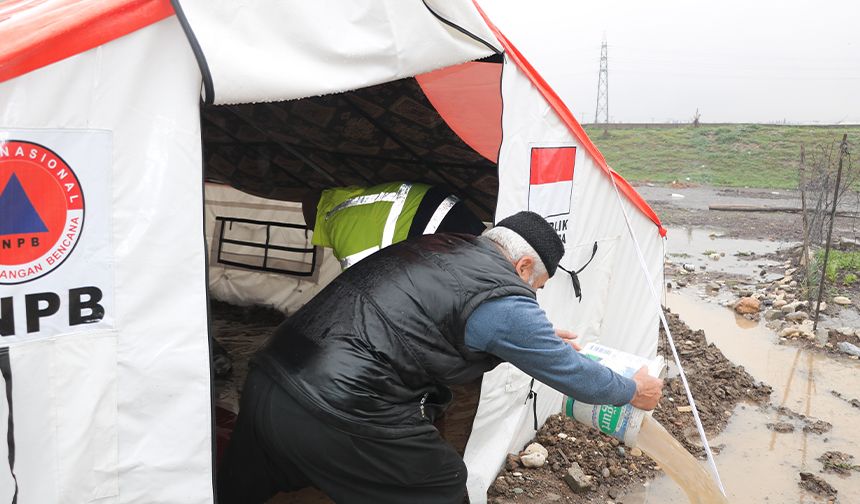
<point>56,300</point>
<point>59,419</point>
<point>56,262</point>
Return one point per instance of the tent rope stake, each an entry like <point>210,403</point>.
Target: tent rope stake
<point>711,463</point>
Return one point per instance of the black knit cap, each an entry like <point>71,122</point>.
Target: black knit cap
<point>539,234</point>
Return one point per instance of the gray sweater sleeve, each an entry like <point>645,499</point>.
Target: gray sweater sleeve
<point>516,329</point>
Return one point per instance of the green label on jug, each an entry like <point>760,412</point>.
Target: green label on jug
<point>607,418</point>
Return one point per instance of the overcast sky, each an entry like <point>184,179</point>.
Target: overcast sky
<point>735,60</point>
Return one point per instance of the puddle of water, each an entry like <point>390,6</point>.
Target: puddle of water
<point>694,242</point>
<point>677,462</point>
<point>756,464</point>
<point>787,369</point>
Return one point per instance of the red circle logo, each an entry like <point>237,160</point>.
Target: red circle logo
<point>41,211</point>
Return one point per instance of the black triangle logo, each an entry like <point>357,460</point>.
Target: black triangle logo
<point>17,214</point>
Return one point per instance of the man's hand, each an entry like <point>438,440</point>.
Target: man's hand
<point>649,390</point>
<point>569,338</point>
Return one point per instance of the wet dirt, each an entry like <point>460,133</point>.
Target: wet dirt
<point>811,411</point>
<point>816,485</point>
<point>692,211</point>
<point>241,331</point>
<point>838,462</point>
<point>755,347</point>
<point>802,404</point>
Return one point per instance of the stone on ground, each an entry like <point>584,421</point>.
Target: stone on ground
<point>841,300</point>
<point>816,485</point>
<point>844,331</point>
<point>748,305</point>
<point>534,455</point>
<point>512,462</point>
<point>774,314</point>
<point>576,479</point>
<point>816,426</point>
<point>848,348</point>
<point>789,307</point>
<point>781,427</point>
<point>500,486</point>
<point>789,331</point>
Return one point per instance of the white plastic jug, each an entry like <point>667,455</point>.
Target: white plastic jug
<point>621,422</point>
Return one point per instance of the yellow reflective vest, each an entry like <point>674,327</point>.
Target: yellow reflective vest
<point>357,221</point>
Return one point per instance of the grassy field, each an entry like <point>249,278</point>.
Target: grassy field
<point>735,155</point>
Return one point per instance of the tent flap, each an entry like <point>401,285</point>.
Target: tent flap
<point>282,51</point>
<point>468,96</point>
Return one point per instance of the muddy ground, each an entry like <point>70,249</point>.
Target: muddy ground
<point>692,211</point>
<point>241,330</point>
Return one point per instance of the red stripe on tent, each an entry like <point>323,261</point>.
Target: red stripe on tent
<point>573,125</point>
<point>467,97</point>
<point>36,34</point>
<point>552,164</point>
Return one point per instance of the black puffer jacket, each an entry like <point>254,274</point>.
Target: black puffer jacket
<point>373,352</point>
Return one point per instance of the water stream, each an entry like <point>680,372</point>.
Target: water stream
<point>677,462</point>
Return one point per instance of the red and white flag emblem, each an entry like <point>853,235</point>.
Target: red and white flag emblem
<point>551,180</point>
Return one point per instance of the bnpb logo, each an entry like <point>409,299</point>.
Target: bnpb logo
<point>41,211</point>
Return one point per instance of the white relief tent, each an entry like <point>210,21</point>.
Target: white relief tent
<point>106,250</point>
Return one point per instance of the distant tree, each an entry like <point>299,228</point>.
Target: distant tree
<point>696,117</point>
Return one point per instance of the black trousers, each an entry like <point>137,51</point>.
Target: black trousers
<point>278,446</point>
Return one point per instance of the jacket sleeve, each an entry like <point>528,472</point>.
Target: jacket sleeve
<point>516,329</point>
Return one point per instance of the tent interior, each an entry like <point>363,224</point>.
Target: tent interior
<point>383,133</point>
